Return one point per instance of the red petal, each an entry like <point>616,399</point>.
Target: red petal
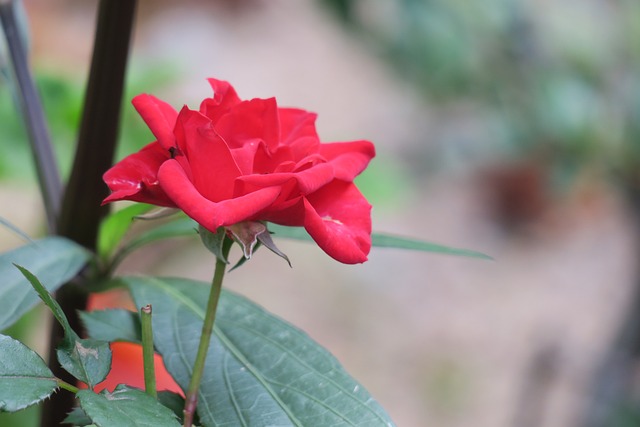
<point>210,214</point>
<point>268,161</point>
<point>308,180</point>
<point>338,218</point>
<point>136,177</point>
<point>159,116</point>
<point>249,122</point>
<point>348,159</point>
<point>296,123</point>
<point>224,97</point>
<point>298,132</point>
<point>212,168</point>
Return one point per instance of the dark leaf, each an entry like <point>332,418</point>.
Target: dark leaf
<point>86,359</point>
<point>54,259</point>
<point>24,377</point>
<point>126,407</point>
<point>260,370</point>
<point>112,325</point>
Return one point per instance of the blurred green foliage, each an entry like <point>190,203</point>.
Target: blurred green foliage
<point>559,80</point>
<point>62,96</point>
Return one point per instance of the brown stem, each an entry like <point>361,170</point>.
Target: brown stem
<point>81,212</point>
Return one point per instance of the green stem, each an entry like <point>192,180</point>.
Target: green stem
<point>191,400</point>
<point>147,352</point>
<point>65,385</point>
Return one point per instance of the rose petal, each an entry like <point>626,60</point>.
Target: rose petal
<point>268,161</point>
<point>244,156</point>
<point>159,116</point>
<point>308,180</point>
<point>338,218</point>
<point>135,177</point>
<point>289,213</point>
<point>295,124</point>
<point>224,97</point>
<point>209,214</point>
<point>211,166</point>
<point>348,159</point>
<point>249,121</point>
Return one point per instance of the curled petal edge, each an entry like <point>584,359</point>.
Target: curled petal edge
<point>159,116</point>
<point>347,243</point>
<point>211,215</point>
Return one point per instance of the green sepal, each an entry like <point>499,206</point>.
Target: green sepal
<point>250,235</point>
<point>217,243</point>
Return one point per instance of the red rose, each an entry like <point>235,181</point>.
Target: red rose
<point>235,161</point>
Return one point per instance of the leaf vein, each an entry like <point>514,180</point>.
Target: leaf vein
<point>308,367</point>
<point>243,360</point>
<point>228,383</point>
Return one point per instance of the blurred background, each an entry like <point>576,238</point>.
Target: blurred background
<point>510,127</point>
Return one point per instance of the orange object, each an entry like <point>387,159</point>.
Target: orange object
<point>126,362</point>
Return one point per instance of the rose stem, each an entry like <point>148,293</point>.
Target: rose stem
<point>66,386</point>
<point>191,400</point>
<point>147,352</point>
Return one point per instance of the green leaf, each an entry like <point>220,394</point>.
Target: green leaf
<point>54,259</point>
<point>175,402</point>
<point>77,417</point>
<point>112,325</point>
<point>179,227</point>
<point>126,407</point>
<point>88,360</point>
<point>115,226</point>
<point>46,297</point>
<point>383,240</point>
<point>261,371</point>
<point>24,377</point>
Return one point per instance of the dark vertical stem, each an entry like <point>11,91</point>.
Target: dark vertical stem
<point>46,167</point>
<point>81,212</point>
